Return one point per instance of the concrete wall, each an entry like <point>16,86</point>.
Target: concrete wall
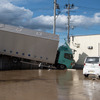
<point>85,46</point>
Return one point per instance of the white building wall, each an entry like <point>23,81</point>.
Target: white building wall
<point>81,45</point>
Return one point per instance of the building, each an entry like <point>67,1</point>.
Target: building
<point>85,45</point>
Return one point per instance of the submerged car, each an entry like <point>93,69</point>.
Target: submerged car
<point>91,66</point>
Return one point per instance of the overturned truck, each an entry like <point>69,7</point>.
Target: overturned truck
<point>32,47</point>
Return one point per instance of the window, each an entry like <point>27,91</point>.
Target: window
<point>92,60</point>
<point>16,52</point>
<point>68,56</point>
<point>29,55</point>
<point>23,54</point>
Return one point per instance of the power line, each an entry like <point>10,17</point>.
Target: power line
<point>91,8</point>
<point>61,7</point>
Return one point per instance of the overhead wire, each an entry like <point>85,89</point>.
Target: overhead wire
<point>62,7</point>
<point>91,8</point>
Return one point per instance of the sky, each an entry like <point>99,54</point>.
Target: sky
<point>38,15</point>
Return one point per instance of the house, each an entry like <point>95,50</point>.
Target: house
<point>85,45</point>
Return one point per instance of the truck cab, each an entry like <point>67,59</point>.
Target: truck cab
<point>64,57</point>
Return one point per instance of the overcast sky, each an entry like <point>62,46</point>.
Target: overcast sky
<point>38,14</point>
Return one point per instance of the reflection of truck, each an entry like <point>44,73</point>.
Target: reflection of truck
<point>34,47</point>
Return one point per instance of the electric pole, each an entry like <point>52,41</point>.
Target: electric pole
<point>54,24</point>
<point>68,22</point>
<point>56,6</point>
<point>68,7</point>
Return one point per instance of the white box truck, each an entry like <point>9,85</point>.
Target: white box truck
<point>35,46</point>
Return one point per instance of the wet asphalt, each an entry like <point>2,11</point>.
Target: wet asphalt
<point>48,85</point>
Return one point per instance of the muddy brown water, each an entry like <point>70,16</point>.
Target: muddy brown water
<point>47,85</point>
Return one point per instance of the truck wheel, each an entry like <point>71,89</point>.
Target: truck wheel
<point>15,60</point>
<point>86,75</point>
<point>62,67</point>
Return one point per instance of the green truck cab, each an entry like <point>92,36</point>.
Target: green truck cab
<point>64,59</point>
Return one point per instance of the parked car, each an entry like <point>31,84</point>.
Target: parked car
<point>91,66</point>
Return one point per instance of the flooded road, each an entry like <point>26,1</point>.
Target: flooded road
<point>47,85</point>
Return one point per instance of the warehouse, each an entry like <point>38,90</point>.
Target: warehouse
<point>85,45</point>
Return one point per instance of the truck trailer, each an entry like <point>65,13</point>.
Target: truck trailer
<point>34,47</point>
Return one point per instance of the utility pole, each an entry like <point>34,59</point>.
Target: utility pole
<point>68,23</point>
<point>68,7</point>
<point>56,6</point>
<point>54,24</point>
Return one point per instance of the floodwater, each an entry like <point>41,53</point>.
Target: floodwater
<point>47,85</point>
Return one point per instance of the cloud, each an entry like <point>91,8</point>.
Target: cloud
<point>85,12</point>
<point>83,21</point>
<point>46,22</point>
<point>11,14</point>
<point>19,16</point>
<point>66,10</point>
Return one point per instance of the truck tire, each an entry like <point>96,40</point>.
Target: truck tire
<point>86,75</point>
<point>62,67</point>
<point>15,60</point>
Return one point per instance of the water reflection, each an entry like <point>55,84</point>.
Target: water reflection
<point>70,86</point>
<point>40,85</point>
<point>92,89</point>
<point>47,85</point>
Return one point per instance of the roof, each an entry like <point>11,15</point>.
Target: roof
<point>30,32</point>
<point>84,35</point>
